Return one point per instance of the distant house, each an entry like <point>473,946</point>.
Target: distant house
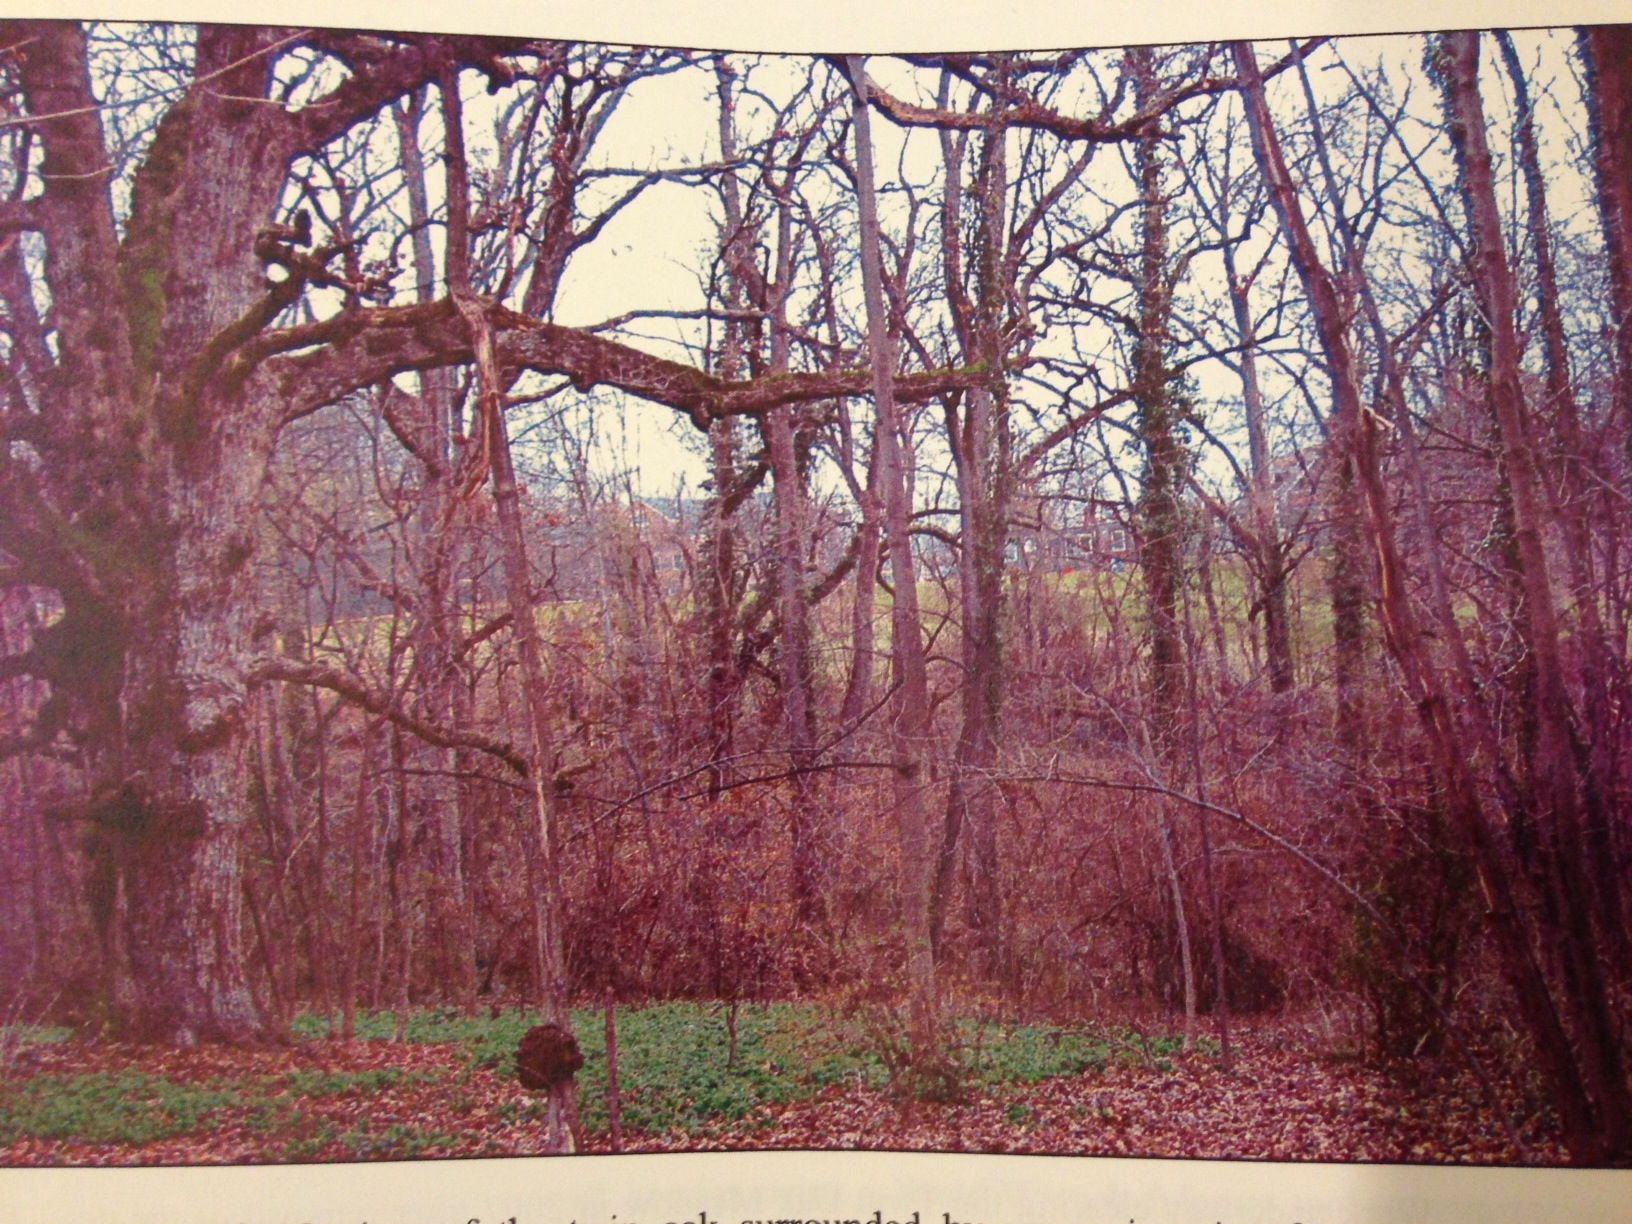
<point>1102,537</point>
<point>1059,536</point>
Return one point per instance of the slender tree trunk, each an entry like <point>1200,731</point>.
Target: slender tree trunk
<point>437,626</point>
<point>1554,774</point>
<point>1503,884</point>
<point>1269,550</point>
<point>541,833</point>
<point>982,451</point>
<point>859,685</point>
<point>404,901</point>
<point>1215,906</point>
<point>356,851</point>
<point>1346,579</point>
<point>809,855</point>
<point>909,705</point>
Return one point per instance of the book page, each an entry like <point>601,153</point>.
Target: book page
<point>861,1187</point>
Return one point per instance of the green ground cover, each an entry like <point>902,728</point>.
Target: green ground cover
<point>678,1072</point>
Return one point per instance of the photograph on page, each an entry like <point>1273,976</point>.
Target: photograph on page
<point>603,598</point>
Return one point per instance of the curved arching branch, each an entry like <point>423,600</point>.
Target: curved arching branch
<point>306,367</point>
<point>1022,111</point>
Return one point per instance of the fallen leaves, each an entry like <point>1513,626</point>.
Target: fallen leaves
<point>363,1100</point>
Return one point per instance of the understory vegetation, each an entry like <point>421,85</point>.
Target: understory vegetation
<point>1076,600</point>
<point>800,1076</point>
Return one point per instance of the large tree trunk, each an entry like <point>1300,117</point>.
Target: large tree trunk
<point>173,793</point>
<point>1160,522</point>
<point>169,899</point>
<point>164,709</point>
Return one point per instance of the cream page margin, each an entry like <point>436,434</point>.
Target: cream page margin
<point>709,1188</point>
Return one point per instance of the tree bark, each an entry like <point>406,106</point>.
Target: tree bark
<point>1554,778</point>
<point>1509,916</point>
<point>983,456</point>
<point>909,704</point>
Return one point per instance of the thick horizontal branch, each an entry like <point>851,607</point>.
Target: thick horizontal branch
<point>306,367</point>
<point>1022,113</point>
<point>384,68</point>
<point>355,692</point>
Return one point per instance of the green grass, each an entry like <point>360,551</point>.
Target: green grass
<point>349,1083</point>
<point>309,1147</point>
<point>133,1107</point>
<point>994,1056</point>
<point>675,1072</point>
<point>119,1107</point>
<point>675,1067</point>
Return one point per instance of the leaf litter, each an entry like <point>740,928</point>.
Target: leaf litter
<point>330,1100</point>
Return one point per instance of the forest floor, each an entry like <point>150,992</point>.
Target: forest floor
<point>799,1077</point>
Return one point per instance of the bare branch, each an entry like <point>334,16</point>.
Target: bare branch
<point>355,692</point>
<point>365,347</point>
